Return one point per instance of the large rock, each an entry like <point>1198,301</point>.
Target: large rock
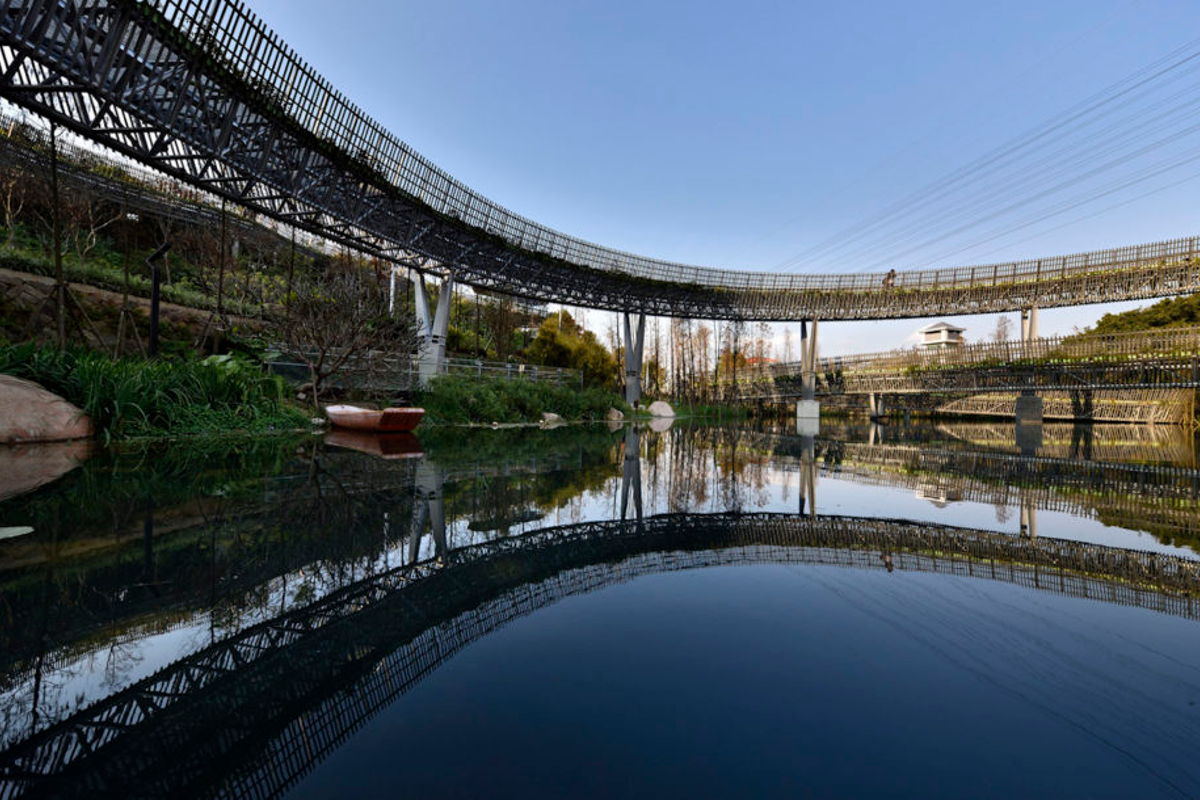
<point>660,408</point>
<point>550,416</point>
<point>29,413</point>
<point>614,415</point>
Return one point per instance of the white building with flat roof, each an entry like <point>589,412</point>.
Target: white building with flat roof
<point>941,334</point>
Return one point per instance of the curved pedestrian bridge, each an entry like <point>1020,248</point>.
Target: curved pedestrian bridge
<point>203,91</point>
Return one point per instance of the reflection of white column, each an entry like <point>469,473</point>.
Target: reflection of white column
<point>428,504</point>
<point>808,476</point>
<point>631,476</point>
<point>1028,518</point>
<point>635,337</point>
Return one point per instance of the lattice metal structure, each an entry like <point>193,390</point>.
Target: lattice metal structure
<point>1143,444</point>
<point>1154,360</point>
<point>203,91</point>
<point>251,714</point>
<point>1161,497</point>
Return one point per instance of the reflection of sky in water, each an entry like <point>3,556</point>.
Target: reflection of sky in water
<point>778,680</point>
<point>681,478</point>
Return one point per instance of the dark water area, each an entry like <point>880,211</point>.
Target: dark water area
<point>924,610</point>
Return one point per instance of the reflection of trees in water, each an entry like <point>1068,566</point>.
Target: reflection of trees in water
<point>707,467</point>
<point>235,538</point>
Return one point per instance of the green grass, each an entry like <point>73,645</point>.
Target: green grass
<point>131,397</point>
<point>451,400</point>
<point>103,275</point>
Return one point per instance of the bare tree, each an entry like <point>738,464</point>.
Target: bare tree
<point>86,213</point>
<point>340,320</point>
<point>1003,328</point>
<point>14,174</point>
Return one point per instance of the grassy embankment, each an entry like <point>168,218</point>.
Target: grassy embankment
<point>130,397</point>
<point>451,400</point>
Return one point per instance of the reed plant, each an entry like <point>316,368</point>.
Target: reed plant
<point>132,397</point>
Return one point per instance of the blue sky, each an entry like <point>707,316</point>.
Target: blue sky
<point>746,135</point>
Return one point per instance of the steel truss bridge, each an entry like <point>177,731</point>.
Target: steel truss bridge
<point>203,91</point>
<point>250,715</point>
<point>1160,363</point>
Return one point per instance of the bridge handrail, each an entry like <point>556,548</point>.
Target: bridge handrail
<point>229,33</point>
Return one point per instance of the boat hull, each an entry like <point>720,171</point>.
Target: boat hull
<point>365,419</point>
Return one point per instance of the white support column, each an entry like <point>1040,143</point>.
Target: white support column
<point>421,294</point>
<point>635,339</point>
<point>1029,324</point>
<point>432,329</point>
<point>808,411</point>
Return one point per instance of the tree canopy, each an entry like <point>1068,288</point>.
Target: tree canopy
<point>561,342</point>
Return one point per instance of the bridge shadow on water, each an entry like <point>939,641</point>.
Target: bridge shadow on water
<point>258,702</point>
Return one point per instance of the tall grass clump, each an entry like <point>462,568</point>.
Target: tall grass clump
<point>450,400</point>
<point>132,397</point>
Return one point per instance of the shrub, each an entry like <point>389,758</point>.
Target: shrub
<point>455,400</point>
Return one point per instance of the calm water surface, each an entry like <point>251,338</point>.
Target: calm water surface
<point>915,611</point>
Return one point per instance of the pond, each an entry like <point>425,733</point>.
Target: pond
<point>911,610</point>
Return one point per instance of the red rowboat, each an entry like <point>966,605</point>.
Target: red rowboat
<point>365,419</point>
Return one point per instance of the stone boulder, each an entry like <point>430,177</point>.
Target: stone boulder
<point>29,413</point>
<point>660,408</point>
<point>614,415</point>
<point>548,417</point>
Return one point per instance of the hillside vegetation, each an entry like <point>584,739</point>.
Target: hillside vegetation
<point>1173,312</point>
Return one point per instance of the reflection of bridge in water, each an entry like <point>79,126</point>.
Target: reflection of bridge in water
<point>1140,496</point>
<point>251,714</point>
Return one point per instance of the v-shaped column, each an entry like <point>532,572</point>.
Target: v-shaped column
<point>431,331</point>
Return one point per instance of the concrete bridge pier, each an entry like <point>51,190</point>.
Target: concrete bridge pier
<point>428,504</point>
<point>875,405</point>
<point>635,339</point>
<point>1029,405</point>
<point>431,328</point>
<point>808,410</point>
<point>1029,324</point>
